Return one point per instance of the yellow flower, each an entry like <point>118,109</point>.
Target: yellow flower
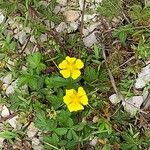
<point>70,67</point>
<point>75,100</point>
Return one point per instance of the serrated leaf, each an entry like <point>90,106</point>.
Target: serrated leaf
<point>40,67</point>
<point>55,82</point>
<point>8,135</point>
<point>90,74</point>
<point>34,60</point>
<point>61,131</point>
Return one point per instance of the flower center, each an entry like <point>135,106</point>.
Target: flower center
<point>76,98</point>
<point>71,67</point>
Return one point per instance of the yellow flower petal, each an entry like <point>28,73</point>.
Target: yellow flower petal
<point>79,64</point>
<point>70,59</point>
<point>81,91</point>
<point>63,64</point>
<point>65,73</point>
<point>75,74</point>
<point>70,92</point>
<point>75,107</point>
<point>67,99</point>
<point>84,100</point>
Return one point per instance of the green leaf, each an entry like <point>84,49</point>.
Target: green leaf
<point>106,147</point>
<point>33,83</point>
<point>40,67</point>
<point>72,135</point>
<point>56,100</point>
<point>55,82</point>
<point>110,8</point>
<point>90,74</point>
<point>8,135</point>
<point>22,81</point>
<point>40,121</point>
<point>61,131</point>
<point>54,139</point>
<point>34,60</point>
<point>122,32</point>
<point>64,119</point>
<point>44,123</point>
<point>96,51</point>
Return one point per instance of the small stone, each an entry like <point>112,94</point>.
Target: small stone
<point>73,26</point>
<point>62,2</point>
<point>7,79</point>
<point>32,39</point>
<point>1,142</point>
<point>71,15</point>
<point>90,40</point>
<point>27,30</point>
<point>52,25</point>
<point>94,141</point>
<point>57,9</point>
<point>81,4</point>
<point>5,112</point>
<point>98,1</point>
<point>143,78</point>
<point>1,17</point>
<point>147,3</point>
<point>13,122</point>
<point>35,142</point>
<point>21,36</point>
<point>95,119</point>
<point>38,147</point>
<point>32,130</point>
<point>140,83</point>
<point>85,32</point>
<point>93,26</point>
<point>61,27</point>
<point>10,90</point>
<point>43,38</point>
<point>132,104</point>
<point>88,18</point>
<point>114,99</point>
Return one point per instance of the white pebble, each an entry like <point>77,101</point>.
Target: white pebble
<point>13,122</point>
<point>1,17</point>
<point>62,2</point>
<point>5,112</point>
<point>132,104</point>
<point>61,27</point>
<point>43,38</point>
<point>94,141</point>
<point>114,99</point>
<point>10,90</point>
<point>7,79</point>
<point>90,40</point>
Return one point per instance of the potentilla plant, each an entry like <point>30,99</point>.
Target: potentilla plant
<point>75,100</point>
<point>58,102</point>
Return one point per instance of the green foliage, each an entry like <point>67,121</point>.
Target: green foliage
<point>142,49</point>
<point>90,74</point>
<point>110,8</point>
<point>104,126</point>
<point>140,15</point>
<point>123,32</point>
<point>7,44</point>
<point>131,141</point>
<point>40,88</point>
<point>34,62</point>
<point>8,135</point>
